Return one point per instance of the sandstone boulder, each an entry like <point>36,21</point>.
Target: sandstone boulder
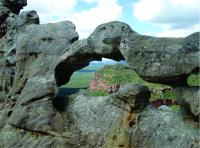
<point>8,47</point>
<point>136,95</point>
<point>159,60</point>
<point>104,121</point>
<point>189,98</point>
<point>35,82</point>
<point>164,128</point>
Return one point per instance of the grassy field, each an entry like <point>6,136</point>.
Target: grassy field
<point>120,75</point>
<point>80,80</point>
<point>117,74</point>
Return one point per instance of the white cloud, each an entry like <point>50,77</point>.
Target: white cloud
<point>51,10</point>
<point>168,11</point>
<point>175,17</point>
<point>89,1</point>
<point>85,20</point>
<point>178,32</point>
<point>146,10</point>
<point>104,11</point>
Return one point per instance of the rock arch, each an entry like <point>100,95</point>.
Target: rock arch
<point>44,57</point>
<point>157,60</point>
<point>47,55</point>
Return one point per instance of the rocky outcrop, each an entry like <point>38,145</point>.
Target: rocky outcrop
<point>150,57</point>
<point>189,98</point>
<point>106,122</point>
<point>135,95</point>
<point>13,5</point>
<point>8,47</point>
<point>10,24</point>
<point>35,81</point>
<point>164,60</point>
<point>16,137</point>
<point>9,7</point>
<point>164,128</point>
<point>37,59</point>
<point>158,60</point>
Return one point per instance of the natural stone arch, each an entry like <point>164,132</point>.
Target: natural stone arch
<point>81,59</point>
<point>158,60</point>
<point>104,42</point>
<point>45,62</point>
<point>54,46</point>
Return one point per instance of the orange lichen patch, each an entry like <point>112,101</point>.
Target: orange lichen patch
<point>119,139</point>
<point>130,119</point>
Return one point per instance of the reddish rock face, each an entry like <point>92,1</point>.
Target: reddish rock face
<point>96,84</point>
<point>157,103</point>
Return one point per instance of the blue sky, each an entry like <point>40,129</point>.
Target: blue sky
<point>166,18</point>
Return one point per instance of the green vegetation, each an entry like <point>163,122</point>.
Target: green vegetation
<point>80,80</point>
<point>113,74</point>
<point>97,93</point>
<point>121,74</point>
<point>194,80</point>
<point>167,95</point>
<point>175,108</point>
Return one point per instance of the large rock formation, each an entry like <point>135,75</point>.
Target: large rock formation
<point>158,60</point>
<point>37,59</point>
<point>106,121</point>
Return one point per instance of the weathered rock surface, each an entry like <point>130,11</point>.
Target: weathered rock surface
<point>10,24</point>
<point>164,128</point>
<point>106,121</point>
<point>14,5</point>
<point>8,48</point>
<point>135,95</point>
<point>9,7</point>
<point>189,98</point>
<point>164,60</point>
<point>36,59</point>
<point>159,60</point>
<point>36,63</point>
<point>15,137</point>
